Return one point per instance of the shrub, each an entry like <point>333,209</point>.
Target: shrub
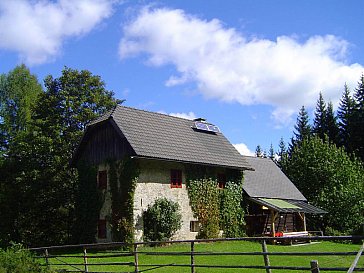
<point>15,259</point>
<point>161,220</point>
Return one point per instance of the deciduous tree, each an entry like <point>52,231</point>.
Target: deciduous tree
<point>43,186</point>
<point>330,179</point>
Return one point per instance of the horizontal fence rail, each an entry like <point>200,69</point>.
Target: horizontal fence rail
<point>88,257</point>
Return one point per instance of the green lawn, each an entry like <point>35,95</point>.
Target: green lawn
<point>235,246</point>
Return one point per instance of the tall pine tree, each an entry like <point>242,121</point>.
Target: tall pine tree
<point>302,129</point>
<point>319,122</point>
<point>259,151</point>
<point>358,120</point>
<point>271,152</point>
<point>345,115</point>
<point>332,129</point>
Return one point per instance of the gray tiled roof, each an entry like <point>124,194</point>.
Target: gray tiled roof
<point>161,136</point>
<point>268,181</point>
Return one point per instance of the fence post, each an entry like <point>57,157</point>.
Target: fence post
<point>315,267</point>
<point>46,257</point>
<point>85,259</point>
<point>192,257</point>
<point>353,265</point>
<point>136,262</point>
<point>266,257</point>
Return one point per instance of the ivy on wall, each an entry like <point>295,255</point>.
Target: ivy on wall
<point>231,212</point>
<point>216,208</point>
<point>204,200</point>
<point>88,204</point>
<point>123,177</point>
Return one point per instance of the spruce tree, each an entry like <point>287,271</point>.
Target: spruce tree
<point>319,123</point>
<point>271,152</point>
<point>345,115</point>
<point>282,148</point>
<point>282,154</point>
<point>302,128</point>
<point>258,151</point>
<point>358,120</point>
<point>331,124</point>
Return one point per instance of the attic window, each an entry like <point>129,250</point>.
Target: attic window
<point>221,180</point>
<point>176,179</point>
<point>102,180</point>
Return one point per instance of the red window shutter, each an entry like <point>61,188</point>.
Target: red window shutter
<point>101,229</point>
<point>176,179</point>
<point>102,180</point>
<point>221,180</point>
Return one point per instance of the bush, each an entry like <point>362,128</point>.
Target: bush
<point>15,259</point>
<point>161,220</point>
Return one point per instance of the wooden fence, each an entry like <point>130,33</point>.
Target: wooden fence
<point>52,257</point>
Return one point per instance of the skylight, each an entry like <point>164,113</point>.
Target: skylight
<point>203,126</point>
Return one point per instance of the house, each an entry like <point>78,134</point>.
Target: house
<point>164,147</point>
<point>274,205</point>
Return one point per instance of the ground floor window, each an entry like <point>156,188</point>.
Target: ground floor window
<point>194,226</point>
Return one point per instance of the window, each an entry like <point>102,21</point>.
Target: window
<point>176,179</point>
<point>221,180</point>
<point>194,226</point>
<point>102,182</point>
<point>101,229</point>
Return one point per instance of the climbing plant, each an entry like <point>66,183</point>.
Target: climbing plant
<point>231,212</point>
<point>88,204</point>
<point>216,208</point>
<point>204,200</point>
<point>123,176</point>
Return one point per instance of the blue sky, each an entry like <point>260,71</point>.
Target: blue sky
<point>244,65</point>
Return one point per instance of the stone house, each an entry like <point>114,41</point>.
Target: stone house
<point>164,147</point>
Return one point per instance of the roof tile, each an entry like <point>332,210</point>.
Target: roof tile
<point>269,181</point>
<point>162,136</point>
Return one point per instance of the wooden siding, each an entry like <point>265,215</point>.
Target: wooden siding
<point>259,221</point>
<point>103,142</point>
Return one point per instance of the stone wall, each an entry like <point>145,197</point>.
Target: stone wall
<point>154,182</point>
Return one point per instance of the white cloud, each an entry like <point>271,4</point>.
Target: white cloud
<point>189,115</point>
<point>243,149</point>
<point>37,29</point>
<point>227,66</point>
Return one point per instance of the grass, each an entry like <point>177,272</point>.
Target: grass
<point>233,246</point>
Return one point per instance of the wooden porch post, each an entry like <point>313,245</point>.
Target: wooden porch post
<point>303,218</point>
<point>273,216</point>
